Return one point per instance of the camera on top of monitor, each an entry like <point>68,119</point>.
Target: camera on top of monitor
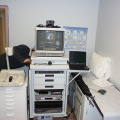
<point>50,23</point>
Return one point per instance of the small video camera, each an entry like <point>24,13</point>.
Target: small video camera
<point>50,23</point>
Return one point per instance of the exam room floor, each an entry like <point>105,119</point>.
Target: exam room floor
<point>71,117</point>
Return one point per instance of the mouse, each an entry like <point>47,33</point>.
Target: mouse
<point>102,91</point>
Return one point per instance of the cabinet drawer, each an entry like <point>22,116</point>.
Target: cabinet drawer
<point>48,86</point>
<point>49,75</point>
<point>49,79</point>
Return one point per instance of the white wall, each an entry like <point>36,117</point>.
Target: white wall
<point>24,15</point>
<point>108,36</point>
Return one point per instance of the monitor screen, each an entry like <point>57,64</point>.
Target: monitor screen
<point>77,57</point>
<point>50,40</point>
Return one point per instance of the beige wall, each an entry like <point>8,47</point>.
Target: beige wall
<point>108,36</point>
<point>24,15</point>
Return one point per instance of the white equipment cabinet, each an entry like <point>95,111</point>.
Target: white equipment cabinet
<point>13,100</point>
<point>84,107</point>
<point>48,87</point>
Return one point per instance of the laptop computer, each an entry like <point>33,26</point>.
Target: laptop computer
<point>77,60</point>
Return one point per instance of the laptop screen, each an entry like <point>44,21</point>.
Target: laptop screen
<point>77,57</point>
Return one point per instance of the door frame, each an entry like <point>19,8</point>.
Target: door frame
<point>1,37</point>
<point>5,7</point>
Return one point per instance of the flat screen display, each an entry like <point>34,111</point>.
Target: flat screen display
<point>77,57</point>
<point>49,40</point>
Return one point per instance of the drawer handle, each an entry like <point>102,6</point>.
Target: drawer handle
<point>49,80</point>
<point>9,100</point>
<point>10,115</point>
<point>49,75</point>
<point>9,92</point>
<point>9,96</point>
<point>10,108</point>
<point>49,86</point>
<point>7,89</point>
<point>9,104</point>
